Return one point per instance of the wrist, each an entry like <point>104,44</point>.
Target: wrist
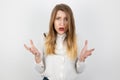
<point>82,59</point>
<point>37,59</point>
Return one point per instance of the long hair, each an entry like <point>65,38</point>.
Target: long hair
<point>71,44</point>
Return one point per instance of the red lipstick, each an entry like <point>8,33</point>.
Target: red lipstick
<point>61,29</point>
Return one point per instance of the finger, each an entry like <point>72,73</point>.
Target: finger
<point>85,46</point>
<point>86,42</point>
<point>85,57</point>
<point>34,48</point>
<point>26,46</point>
<point>32,45</point>
<point>91,50</point>
<point>31,42</point>
<point>89,54</point>
<point>34,52</point>
<point>31,50</point>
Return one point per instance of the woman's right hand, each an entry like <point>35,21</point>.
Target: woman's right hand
<point>34,51</point>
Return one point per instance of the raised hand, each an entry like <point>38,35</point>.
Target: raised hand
<point>34,51</point>
<point>85,52</point>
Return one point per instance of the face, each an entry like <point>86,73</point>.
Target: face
<point>61,22</point>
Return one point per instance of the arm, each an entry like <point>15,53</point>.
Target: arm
<point>80,63</point>
<point>80,66</point>
<point>40,67</point>
<point>40,64</point>
<point>38,56</point>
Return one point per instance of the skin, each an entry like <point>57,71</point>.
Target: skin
<point>60,22</point>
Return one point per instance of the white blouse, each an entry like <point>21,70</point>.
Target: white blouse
<point>59,66</point>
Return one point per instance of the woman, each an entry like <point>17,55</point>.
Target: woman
<point>61,58</point>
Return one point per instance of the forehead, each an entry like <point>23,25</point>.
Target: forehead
<point>61,13</point>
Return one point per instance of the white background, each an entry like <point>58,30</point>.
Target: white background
<point>98,21</point>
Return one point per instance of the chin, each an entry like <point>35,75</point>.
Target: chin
<point>61,33</point>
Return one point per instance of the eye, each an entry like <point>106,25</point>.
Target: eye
<point>57,18</point>
<point>66,19</point>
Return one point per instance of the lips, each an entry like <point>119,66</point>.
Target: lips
<point>61,29</point>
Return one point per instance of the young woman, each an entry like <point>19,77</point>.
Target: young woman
<point>61,58</point>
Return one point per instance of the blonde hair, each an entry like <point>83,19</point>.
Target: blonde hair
<point>70,39</point>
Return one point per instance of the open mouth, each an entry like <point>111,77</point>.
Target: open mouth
<point>61,29</point>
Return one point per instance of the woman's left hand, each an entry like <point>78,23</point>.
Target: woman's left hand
<point>85,52</point>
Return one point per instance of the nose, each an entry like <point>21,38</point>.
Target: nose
<point>62,22</point>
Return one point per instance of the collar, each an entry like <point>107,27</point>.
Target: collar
<point>61,35</point>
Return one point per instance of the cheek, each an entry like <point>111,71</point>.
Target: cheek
<point>55,26</point>
<point>66,27</point>
<point>56,23</point>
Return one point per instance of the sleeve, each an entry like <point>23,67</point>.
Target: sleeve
<point>80,66</point>
<point>40,67</point>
